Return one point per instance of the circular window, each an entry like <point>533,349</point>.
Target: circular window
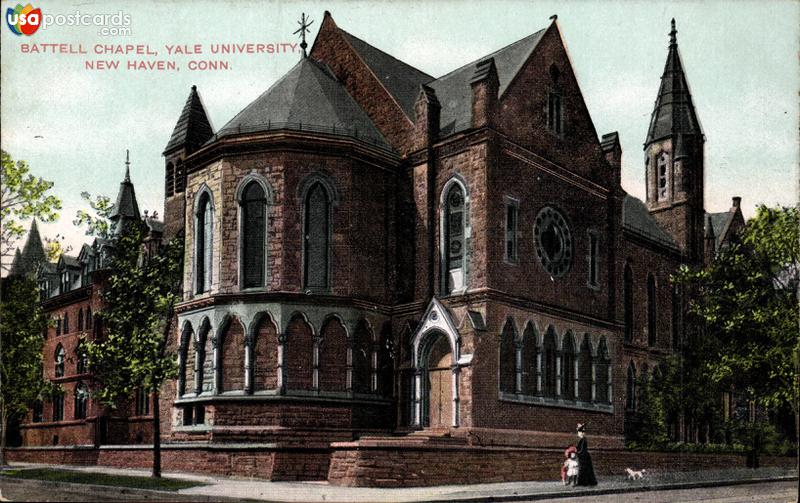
<point>553,242</point>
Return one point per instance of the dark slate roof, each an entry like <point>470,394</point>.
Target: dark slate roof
<point>193,128</point>
<point>719,224</point>
<point>454,91</point>
<point>400,79</point>
<point>47,268</point>
<point>126,205</point>
<point>154,225</point>
<point>674,111</point>
<point>70,261</point>
<point>308,97</point>
<point>32,253</point>
<point>636,218</point>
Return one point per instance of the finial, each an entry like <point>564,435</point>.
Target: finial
<point>127,165</point>
<point>194,87</point>
<point>673,40</point>
<point>304,24</point>
<point>554,17</point>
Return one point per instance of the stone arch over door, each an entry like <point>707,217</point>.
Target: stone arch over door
<point>435,333</point>
<point>436,365</point>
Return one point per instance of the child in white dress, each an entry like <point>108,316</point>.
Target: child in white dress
<point>571,465</point>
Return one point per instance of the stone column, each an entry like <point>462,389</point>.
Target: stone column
<point>456,409</point>
<point>538,372</point>
<point>575,379</point>
<point>518,367</point>
<point>248,365</point>
<point>594,382</point>
<point>610,386</point>
<point>315,363</point>
<point>281,377</point>
<point>374,367</point>
<point>198,367</point>
<point>558,375</point>
<point>417,392</point>
<point>215,366</point>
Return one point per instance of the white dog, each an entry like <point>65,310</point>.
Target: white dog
<point>635,474</point>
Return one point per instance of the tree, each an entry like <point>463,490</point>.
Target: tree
<point>22,196</point>
<point>22,325</point>
<point>98,224</point>
<point>139,300</point>
<point>748,301</point>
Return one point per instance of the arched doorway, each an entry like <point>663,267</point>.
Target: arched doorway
<point>438,383</point>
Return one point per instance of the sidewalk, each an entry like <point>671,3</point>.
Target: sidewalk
<point>253,489</point>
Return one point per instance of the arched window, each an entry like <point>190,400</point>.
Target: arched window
<point>80,319</point>
<point>298,354</point>
<point>60,357</point>
<point>333,357</point>
<point>628,302</point>
<point>602,379</point>
<point>231,357</point>
<point>676,318</point>
<point>508,358</point>
<point>265,355</point>
<point>186,359</point>
<point>253,206</point>
<point>89,319</point>
<point>202,359</point>
<point>585,363</point>
<point>530,367</point>
<point>630,388</point>
<point>454,244</point>
<point>652,324</point>
<point>549,352</point>
<point>169,186</point>
<point>204,243</point>
<point>362,358</point>
<point>82,357</point>
<point>65,328</point>
<point>316,257</point>
<point>385,370</point>
<point>58,406</point>
<point>81,398</point>
<point>568,367</point>
<point>142,402</point>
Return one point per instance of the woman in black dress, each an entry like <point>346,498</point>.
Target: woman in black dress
<point>585,469</point>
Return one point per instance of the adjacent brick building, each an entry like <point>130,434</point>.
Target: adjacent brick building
<point>377,259</point>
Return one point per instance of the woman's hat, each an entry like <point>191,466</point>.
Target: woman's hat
<point>580,427</point>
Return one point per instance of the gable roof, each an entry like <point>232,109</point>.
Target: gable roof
<point>636,218</point>
<point>454,90</point>
<point>674,111</point>
<point>400,79</point>
<point>719,222</point>
<point>193,128</point>
<point>126,206</point>
<point>308,97</point>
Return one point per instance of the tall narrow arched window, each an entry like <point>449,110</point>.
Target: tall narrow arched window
<point>602,380</point>
<point>549,352</point>
<point>652,324</point>
<point>676,318</point>
<point>628,302</point>
<point>204,243</point>
<point>454,244</point>
<point>253,246</point>
<point>60,357</point>
<point>82,357</point>
<point>586,377</point>
<point>66,323</point>
<point>508,358</point>
<point>568,367</point>
<point>89,320</point>
<point>80,319</point>
<point>81,397</point>
<point>316,258</point>
<point>630,388</point>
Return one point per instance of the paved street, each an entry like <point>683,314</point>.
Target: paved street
<point>770,492</point>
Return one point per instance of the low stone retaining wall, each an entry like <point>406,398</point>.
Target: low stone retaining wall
<point>265,462</point>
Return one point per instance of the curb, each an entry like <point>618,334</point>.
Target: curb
<point>618,490</point>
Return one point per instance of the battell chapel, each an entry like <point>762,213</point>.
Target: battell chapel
<point>392,278</point>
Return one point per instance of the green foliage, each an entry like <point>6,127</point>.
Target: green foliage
<point>22,197</point>
<point>747,304</point>
<point>98,224</point>
<point>22,326</point>
<point>139,299</point>
<point>711,448</point>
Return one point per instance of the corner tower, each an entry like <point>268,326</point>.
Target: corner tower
<point>191,131</point>
<point>674,159</point>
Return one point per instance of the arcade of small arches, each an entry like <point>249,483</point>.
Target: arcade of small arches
<point>555,369</point>
<point>250,355</point>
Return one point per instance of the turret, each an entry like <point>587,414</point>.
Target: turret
<point>126,209</point>
<point>674,159</point>
<point>192,130</point>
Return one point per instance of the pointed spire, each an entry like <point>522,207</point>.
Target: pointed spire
<point>126,207</point>
<point>674,112</point>
<point>193,128</point>
<point>32,254</point>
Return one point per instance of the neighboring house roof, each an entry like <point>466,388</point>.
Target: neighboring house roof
<point>719,224</point>
<point>636,218</point>
<point>674,111</point>
<point>308,97</point>
<point>454,90</point>
<point>193,128</point>
<point>69,261</point>
<point>400,79</point>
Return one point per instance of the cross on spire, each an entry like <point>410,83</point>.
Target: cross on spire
<point>673,39</point>
<point>127,165</point>
<point>304,24</point>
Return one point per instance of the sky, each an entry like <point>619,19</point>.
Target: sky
<point>73,124</point>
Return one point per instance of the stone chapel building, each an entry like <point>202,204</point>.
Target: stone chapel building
<point>379,260</point>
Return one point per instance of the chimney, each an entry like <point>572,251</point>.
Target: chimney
<point>613,152</point>
<point>485,86</point>
<point>426,123</point>
<point>737,201</point>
